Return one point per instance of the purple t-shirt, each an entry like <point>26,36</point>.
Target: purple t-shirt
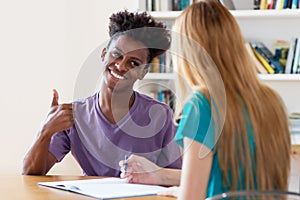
<point>98,145</point>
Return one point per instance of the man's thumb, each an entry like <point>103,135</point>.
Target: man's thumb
<point>55,98</point>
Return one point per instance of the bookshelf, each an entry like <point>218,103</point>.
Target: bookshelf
<point>256,25</point>
<point>155,83</point>
<point>268,26</point>
<point>282,24</point>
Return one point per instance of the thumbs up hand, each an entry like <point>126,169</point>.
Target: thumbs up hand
<point>60,116</point>
<point>55,98</point>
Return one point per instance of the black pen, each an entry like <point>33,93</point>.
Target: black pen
<point>125,163</point>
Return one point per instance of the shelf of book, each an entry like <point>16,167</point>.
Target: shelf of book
<point>273,14</point>
<point>267,26</point>
<point>282,24</point>
<point>280,77</point>
<point>156,82</point>
<point>266,77</point>
<point>160,76</point>
<point>271,77</point>
<point>165,15</point>
<point>238,14</point>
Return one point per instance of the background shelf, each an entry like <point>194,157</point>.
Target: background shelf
<point>239,14</point>
<point>160,76</point>
<point>280,77</point>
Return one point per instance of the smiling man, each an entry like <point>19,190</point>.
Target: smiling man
<point>116,121</point>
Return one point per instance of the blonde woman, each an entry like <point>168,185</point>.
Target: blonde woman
<point>248,146</point>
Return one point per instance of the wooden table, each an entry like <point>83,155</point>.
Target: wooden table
<point>26,188</point>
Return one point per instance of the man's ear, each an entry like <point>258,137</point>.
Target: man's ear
<point>104,51</point>
<point>144,72</point>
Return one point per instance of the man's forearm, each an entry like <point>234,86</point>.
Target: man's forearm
<point>36,159</point>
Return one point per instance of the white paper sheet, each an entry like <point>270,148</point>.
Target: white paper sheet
<point>105,188</point>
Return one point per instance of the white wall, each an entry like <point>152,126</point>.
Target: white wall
<point>43,45</point>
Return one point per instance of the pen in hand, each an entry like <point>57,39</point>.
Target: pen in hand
<point>125,164</point>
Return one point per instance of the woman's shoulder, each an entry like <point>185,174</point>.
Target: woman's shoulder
<point>198,97</point>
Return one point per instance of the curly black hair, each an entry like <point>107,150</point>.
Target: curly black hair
<point>141,27</point>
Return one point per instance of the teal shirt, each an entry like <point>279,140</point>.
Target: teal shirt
<point>197,124</point>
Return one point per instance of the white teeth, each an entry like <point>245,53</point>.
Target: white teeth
<point>117,75</point>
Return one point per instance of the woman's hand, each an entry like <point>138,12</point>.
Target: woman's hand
<point>140,170</point>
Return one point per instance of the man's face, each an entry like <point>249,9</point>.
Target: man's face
<point>125,62</point>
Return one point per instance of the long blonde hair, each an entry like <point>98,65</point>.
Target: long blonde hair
<point>213,27</point>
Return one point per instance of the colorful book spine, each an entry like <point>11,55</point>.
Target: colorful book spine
<point>296,57</point>
<point>271,4</point>
<point>285,4</point>
<point>164,96</point>
<point>264,62</point>
<point>268,56</point>
<point>155,65</point>
<point>183,4</point>
<point>256,5</point>
<point>295,4</point>
<point>279,4</point>
<point>263,4</point>
<point>258,65</point>
<point>291,53</point>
